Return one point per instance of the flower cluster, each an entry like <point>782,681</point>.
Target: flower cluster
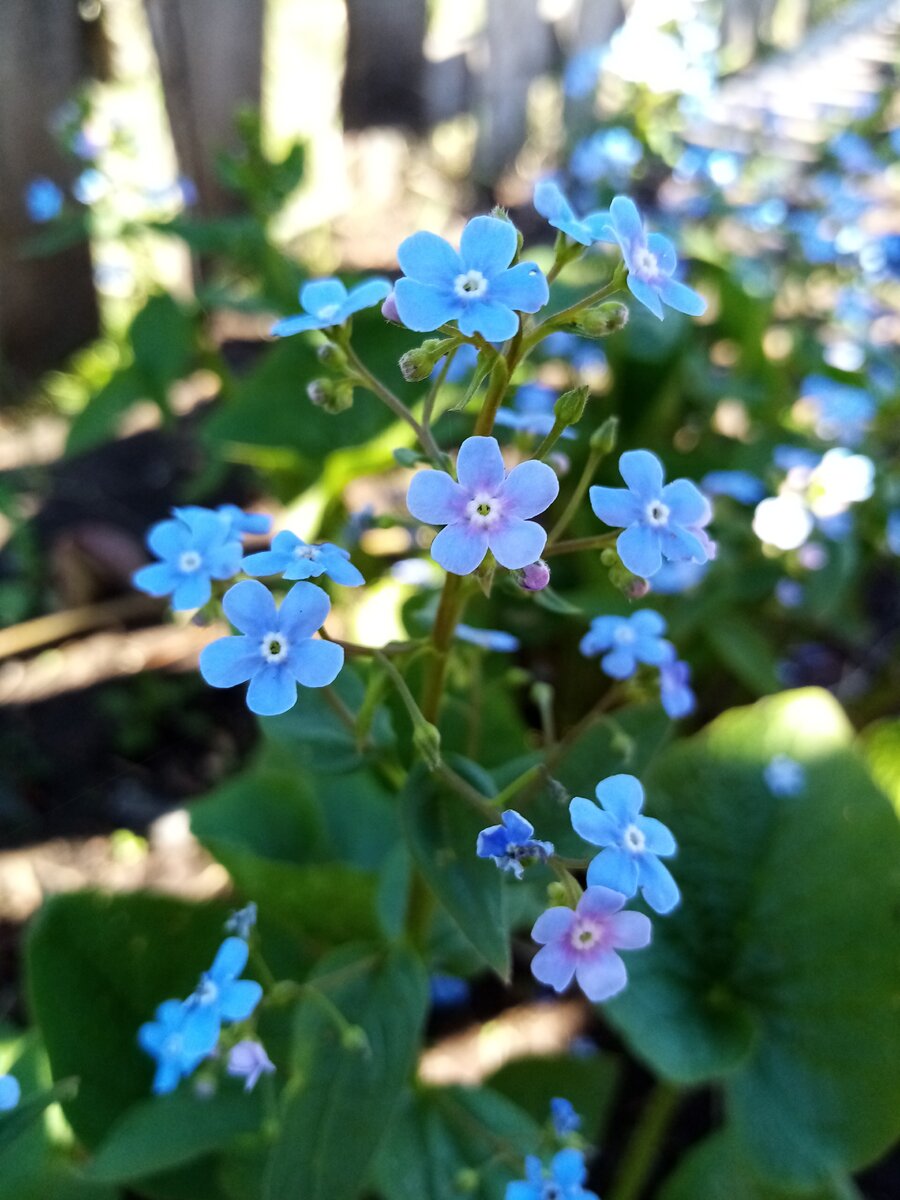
<point>628,642</point>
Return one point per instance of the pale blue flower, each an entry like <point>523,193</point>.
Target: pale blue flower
<point>556,209</point>
<point>564,1180</point>
<point>531,411</point>
<point>627,641</point>
<point>195,547</point>
<point>742,486</point>
<point>43,200</point>
<point>651,263</point>
<point>608,154</point>
<point>675,691</point>
<point>180,1038</point>
<point>564,1117</point>
<point>488,639</point>
<point>784,776</point>
<point>293,558</point>
<point>326,303</point>
<point>242,921</point>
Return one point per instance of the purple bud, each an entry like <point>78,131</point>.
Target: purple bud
<point>637,588</point>
<point>535,577</point>
<point>389,310</point>
<point>248,1060</point>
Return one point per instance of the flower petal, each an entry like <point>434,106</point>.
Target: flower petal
<point>568,1168</point>
<point>230,960</point>
<point>630,930</point>
<point>343,571</point>
<point>639,550</point>
<point>601,975</point>
<point>682,298</point>
<point>156,579</point>
<point>459,548</point>
<point>229,661</point>
<point>250,607</point>
<point>616,869</point>
<point>434,497</point>
<point>321,294</point>
<point>599,902</point>
<point>686,503</point>
<point>373,291</point>
<point>316,663</point>
<point>657,886</point>
<point>554,964</point>
<point>663,251</point>
<point>302,323</point>
<point>479,466</point>
<point>600,227</point>
<point>682,545</point>
<point>193,591</point>
<point>530,488</point>
<point>648,623</point>
<point>615,506</point>
<point>265,562</point>
<point>592,824</point>
<point>496,322</point>
<point>487,245</point>
<point>238,1000</point>
<point>620,663</point>
<point>303,611</point>
<point>551,203</point>
<point>647,293</point>
<point>272,690</point>
<point>643,473</point>
<point>621,795</point>
<point>430,259</point>
<point>657,836</point>
<point>516,543</point>
<point>627,222</point>
<point>523,287</point>
<point>167,539</point>
<point>423,307</point>
<point>552,924</point>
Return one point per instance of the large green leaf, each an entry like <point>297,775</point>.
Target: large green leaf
<point>341,1097</point>
<point>442,830</point>
<point>776,973</point>
<point>589,1083</point>
<point>881,747</point>
<point>441,1133</point>
<point>162,338</point>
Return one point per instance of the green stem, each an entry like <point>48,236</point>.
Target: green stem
<point>500,373</point>
<point>441,638</point>
<point>465,791</point>
<point>512,789</point>
<point>558,429</point>
<point>419,911</point>
<point>645,1142</point>
<point>600,542</point>
<point>393,402</point>
<point>593,461</point>
<point>565,315</point>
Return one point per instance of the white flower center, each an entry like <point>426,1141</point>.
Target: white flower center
<point>624,636</point>
<point>471,285</point>
<point>173,1046</point>
<point>586,934</point>
<point>274,647</point>
<point>189,561</point>
<point>327,311</point>
<point>309,552</point>
<point>207,992</point>
<point>484,510</point>
<point>645,264</point>
<point>657,513</point>
<point>634,840</point>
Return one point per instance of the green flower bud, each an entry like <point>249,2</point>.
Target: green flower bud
<point>571,405</point>
<point>427,740</point>
<point>467,1180</point>
<point>557,894</point>
<point>603,319</point>
<point>354,1038</point>
<point>418,363</point>
<point>604,438</point>
<point>334,396</point>
<point>331,355</point>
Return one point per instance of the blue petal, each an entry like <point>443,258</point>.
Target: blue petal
<point>658,887</point>
<point>373,291</point>
<point>621,795</point>
<point>680,545</point>
<point>603,631</point>
<point>496,322</point>
<point>615,506</point>
<point>193,591</point>
<point>229,661</point>
<point>643,472</point>
<point>250,607</point>
<point>230,960</point>
<point>167,539</point>
<point>459,548</point>
<point>568,1168</point>
<point>430,259</point>
<point>601,976</point>
<point>302,323</point>
<point>316,663</point>
<point>492,842</point>
<point>265,562</point>
<point>167,1077</point>
<point>663,251</point>
<point>423,307</point>
<point>286,541</point>
<point>156,579</point>
<point>518,1189</point>
<point>272,690</point>
<point>600,227</point>
<point>639,550</point>
<point>554,964</point>
<point>647,293</point>
<point>682,298</point>
<point>516,543</point>
<point>550,201</point>
<point>686,503</point>
<point>321,294</point>
<point>553,924</point>
<point>238,1000</point>
<point>529,489</point>
<point>479,466</point>
<point>614,868</point>
<point>224,562</point>
<point>488,244</point>
<point>658,837</point>
<point>518,828</point>
<point>199,1033</point>
<point>303,611</point>
<point>647,622</point>
<point>523,287</point>
<point>435,498</point>
<point>344,572</point>
<point>654,651</point>
<point>593,824</point>
<point>620,663</point>
<point>627,223</point>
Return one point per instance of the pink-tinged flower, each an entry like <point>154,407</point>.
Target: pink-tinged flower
<point>581,943</point>
<point>486,510</point>
<point>248,1061</point>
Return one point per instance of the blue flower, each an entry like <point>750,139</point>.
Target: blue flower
<point>242,921</point>
<point>245,522</point>
<point>673,578</point>
<point>553,205</point>
<point>195,547</point>
<point>276,650</point>
<point>564,1181</point>
<point>10,1093</point>
<point>90,186</point>
<point>532,411</point>
<point>180,1038</point>
<point>660,521</point>
<point>486,510</point>
<point>564,1117</point>
<point>464,361</point>
<point>784,776</point>
<point>328,303</point>
<point>248,1060</point>
<point>220,991</point>
<point>675,689</point>
<point>448,991</point>
<point>840,412</point>
<point>581,71</point>
<point>512,843</point>
<point>633,844</point>
<point>43,200</point>
<point>475,287</point>
<point>738,485</point>
<point>627,642</point>
<point>293,558</point>
<point>488,639</point>
<point>651,263</point>
<point>607,154</point>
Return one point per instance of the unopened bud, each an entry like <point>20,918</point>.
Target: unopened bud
<point>427,740</point>
<point>556,893</point>
<point>467,1180</point>
<point>331,355</point>
<point>603,319</point>
<point>418,363</point>
<point>354,1038</point>
<point>637,588</point>
<point>603,439</point>
<point>608,557</point>
<point>334,396</point>
<point>571,405</point>
<point>389,310</point>
<point>534,577</point>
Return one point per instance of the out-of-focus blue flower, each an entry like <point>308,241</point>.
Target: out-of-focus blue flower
<point>463,363</point>
<point>564,1117</point>
<point>43,200</point>
<point>609,155</point>
<point>768,214</point>
<point>584,355</point>
<point>248,1060</point>
<point>738,485</point>
<point>486,510</point>
<point>841,412</point>
<point>180,1038</point>
<point>789,593</point>
<point>195,547</point>
<point>627,642</point>
<point>659,520</point>
<point>488,639</point>
<point>242,921</point>
<point>564,1180</point>
<point>476,287</point>
<point>326,303</point>
<point>448,991</point>
<point>673,578</point>
<point>892,531</point>
<point>632,844</point>
<point>512,844</point>
<point>582,944</point>
<point>276,649</point>
<point>854,153</point>
<point>784,776</point>
<point>581,72</point>
<point>531,412</point>
<point>220,990</point>
<point>651,262</point>
<point>675,691</point>
<point>556,209</point>
<point>293,558</point>
<point>10,1093</point>
<point>90,187</point>
<point>245,522</point>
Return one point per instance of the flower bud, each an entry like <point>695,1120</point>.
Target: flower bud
<point>354,1038</point>
<point>637,588</point>
<point>331,355</point>
<point>571,405</point>
<point>427,740</point>
<point>334,396</point>
<point>418,363</point>
<point>389,310</point>
<point>535,577</point>
<point>557,894</point>
<point>604,438</point>
<point>603,319</point>
<point>467,1180</point>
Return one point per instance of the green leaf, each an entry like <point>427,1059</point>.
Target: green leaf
<point>441,1132</point>
<point>162,338</point>
<point>746,652</point>
<point>340,1100</point>
<point>13,1124</point>
<point>98,966</point>
<point>442,830</point>
<point>774,975</point>
<point>881,748</point>
<point>169,1131</point>
<point>589,1083</point>
<point>97,420</point>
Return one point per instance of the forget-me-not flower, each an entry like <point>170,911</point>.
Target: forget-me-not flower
<point>651,262</point>
<point>220,990</point>
<point>196,546</point>
<point>581,943</point>
<point>784,776</point>
<point>675,689</point>
<point>563,1116</point>
<point>564,1180</point>
<point>242,921</point>
<point>180,1038</point>
<point>632,843</point>
<point>326,303</point>
<point>486,510</point>
<point>475,286</point>
<point>10,1093</point>
<point>628,641</point>
<point>488,639</point>
<point>276,649</point>
<point>742,486</point>
<point>43,200</point>
<point>248,1060</point>
<point>511,842</point>
<point>245,522</point>
<point>609,154</point>
<point>293,558</point>
<point>532,411</point>
<point>558,212</point>
<point>660,520</point>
